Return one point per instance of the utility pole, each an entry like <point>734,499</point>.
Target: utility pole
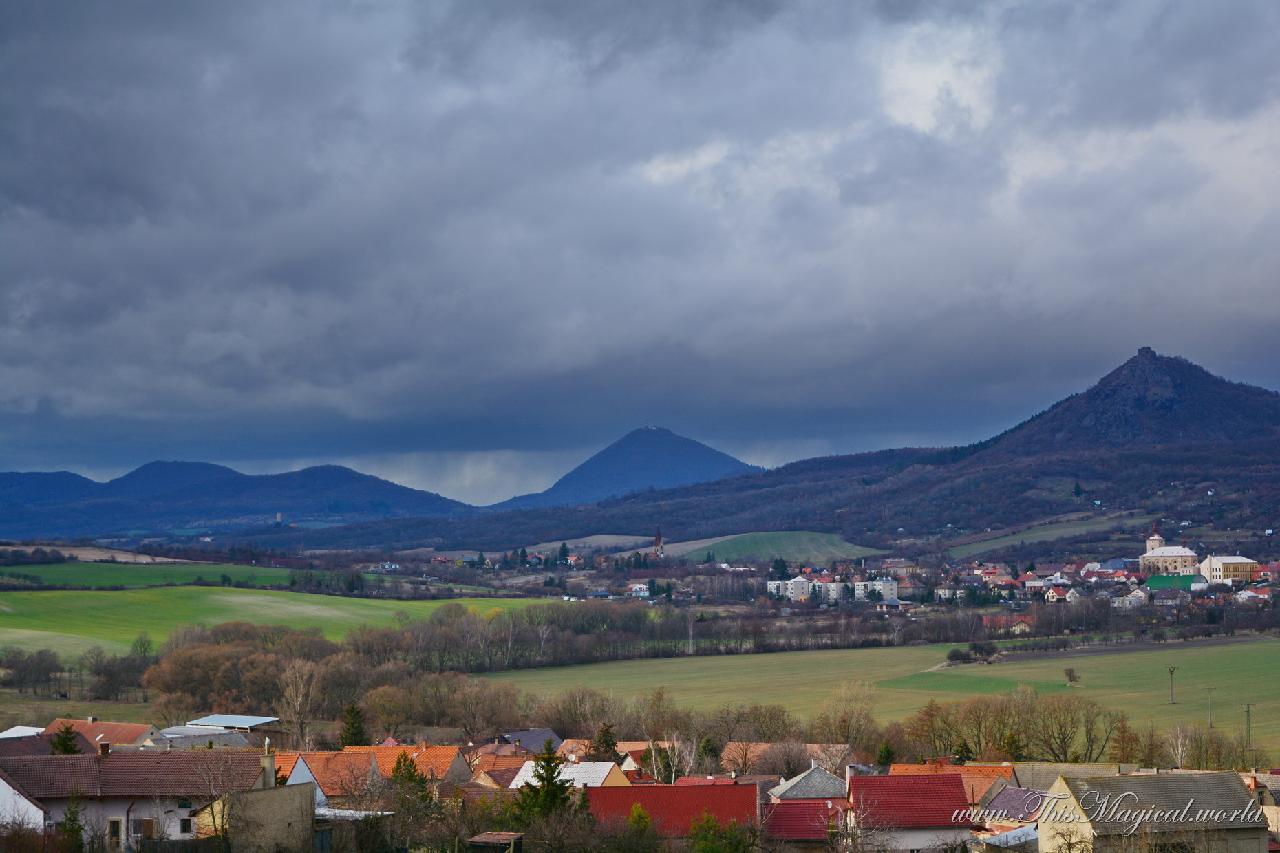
<point>1248,727</point>
<point>1171,671</point>
<point>1211,689</point>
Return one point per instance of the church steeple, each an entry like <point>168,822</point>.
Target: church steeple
<point>1155,540</point>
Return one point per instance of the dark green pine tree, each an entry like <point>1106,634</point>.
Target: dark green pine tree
<point>547,794</point>
<point>353,733</point>
<point>604,746</point>
<point>564,554</point>
<point>64,742</point>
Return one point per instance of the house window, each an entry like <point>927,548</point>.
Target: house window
<point>142,828</point>
<point>184,825</point>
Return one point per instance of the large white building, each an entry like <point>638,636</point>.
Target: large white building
<point>1236,570</point>
<point>797,589</point>
<point>1162,559</point>
<point>886,587</point>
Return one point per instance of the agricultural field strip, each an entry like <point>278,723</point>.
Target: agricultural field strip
<point>1133,681</point>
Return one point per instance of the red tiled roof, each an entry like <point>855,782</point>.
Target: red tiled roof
<point>22,792</point>
<point>802,820</point>
<point>907,802</point>
<point>41,744</point>
<point>185,773</point>
<point>673,808</point>
<point>503,776</point>
<point>98,732</point>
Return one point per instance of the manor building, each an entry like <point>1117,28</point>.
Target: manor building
<point>1162,559</point>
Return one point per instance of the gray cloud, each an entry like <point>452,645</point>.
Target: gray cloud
<point>451,242</point>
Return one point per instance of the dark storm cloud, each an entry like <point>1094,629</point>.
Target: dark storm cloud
<point>478,240</point>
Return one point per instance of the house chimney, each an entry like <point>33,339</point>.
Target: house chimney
<point>104,748</point>
<point>268,761</point>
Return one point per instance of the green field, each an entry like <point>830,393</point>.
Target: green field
<point>152,574</point>
<point>1136,682</point>
<point>803,546</point>
<point>70,621</point>
<point>1049,532</point>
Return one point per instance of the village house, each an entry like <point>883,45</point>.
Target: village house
<point>533,740</point>
<point>908,812</point>
<point>580,774</point>
<point>1134,600</point>
<point>98,732</point>
<point>674,808</point>
<point>975,779</point>
<point>1059,594</point>
<point>1184,811</point>
<point>947,592</point>
<point>128,797</point>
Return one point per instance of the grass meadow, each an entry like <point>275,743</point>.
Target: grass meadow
<point>150,574</point>
<point>1049,532</point>
<point>794,545</point>
<point>70,621</point>
<point>1134,681</point>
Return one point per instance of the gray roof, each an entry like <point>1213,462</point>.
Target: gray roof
<point>1040,775</point>
<point>534,739</point>
<point>233,721</point>
<point>813,784</point>
<point>1167,792</point>
<point>580,774</point>
<point>1020,804</point>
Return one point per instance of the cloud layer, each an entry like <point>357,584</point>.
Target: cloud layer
<point>492,235</point>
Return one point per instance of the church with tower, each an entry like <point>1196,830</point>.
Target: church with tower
<point>1162,559</point>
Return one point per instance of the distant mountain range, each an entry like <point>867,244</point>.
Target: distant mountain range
<point>646,458</point>
<point>1158,434</point>
<point>178,497</point>
<point>173,496</point>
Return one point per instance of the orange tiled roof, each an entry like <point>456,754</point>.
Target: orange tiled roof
<point>337,773</point>
<point>431,761</point>
<point>285,762</point>
<point>434,761</point>
<point>102,732</point>
<point>977,780</point>
<point>485,763</point>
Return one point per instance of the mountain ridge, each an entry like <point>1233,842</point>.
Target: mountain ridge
<point>1149,435</point>
<point>166,495</point>
<point>650,457</point>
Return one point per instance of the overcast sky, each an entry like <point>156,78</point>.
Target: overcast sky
<point>464,245</point>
